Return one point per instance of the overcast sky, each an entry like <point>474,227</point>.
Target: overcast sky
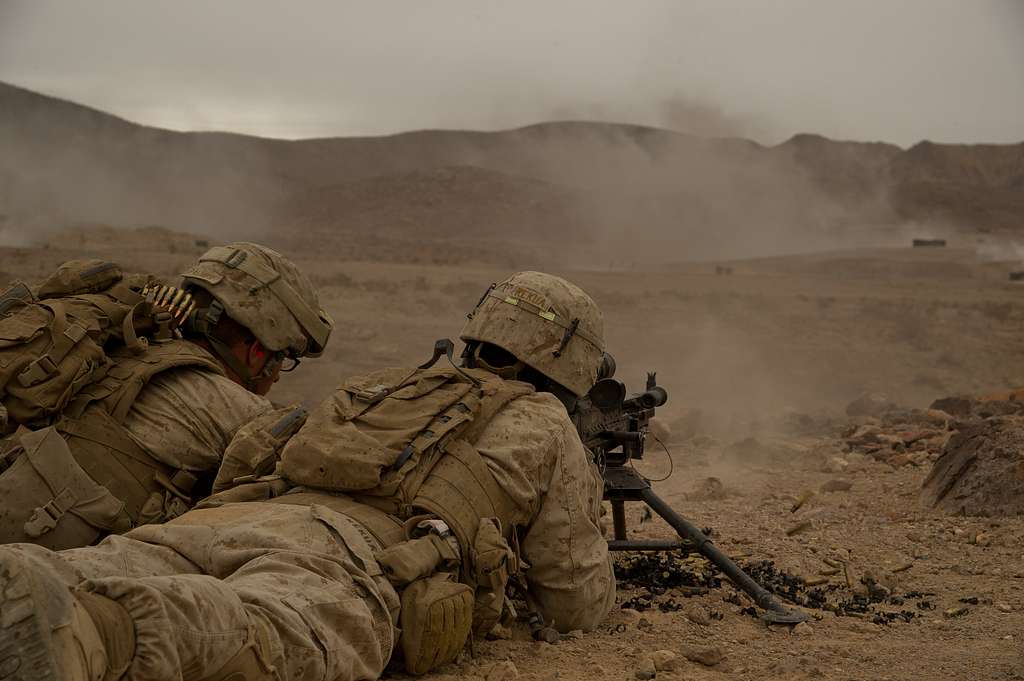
<point>900,71</point>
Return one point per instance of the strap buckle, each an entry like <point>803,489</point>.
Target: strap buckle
<point>38,371</point>
<point>44,519</point>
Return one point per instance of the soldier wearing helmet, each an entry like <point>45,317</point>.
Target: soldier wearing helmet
<point>540,329</point>
<point>145,440</point>
<point>417,498</point>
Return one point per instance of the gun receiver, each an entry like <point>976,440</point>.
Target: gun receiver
<point>614,428</point>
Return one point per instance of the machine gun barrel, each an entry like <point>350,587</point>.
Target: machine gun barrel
<point>649,399</point>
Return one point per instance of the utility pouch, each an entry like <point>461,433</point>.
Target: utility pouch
<point>437,613</point>
<point>51,500</point>
<point>255,449</point>
<point>493,562</point>
<point>414,559</point>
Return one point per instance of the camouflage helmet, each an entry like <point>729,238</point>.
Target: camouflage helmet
<point>263,291</point>
<point>547,322</point>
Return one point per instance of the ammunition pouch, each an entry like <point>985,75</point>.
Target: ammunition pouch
<point>437,614</point>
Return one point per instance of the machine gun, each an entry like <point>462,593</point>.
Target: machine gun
<point>614,427</point>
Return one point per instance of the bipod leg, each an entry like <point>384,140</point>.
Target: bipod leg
<point>775,612</point>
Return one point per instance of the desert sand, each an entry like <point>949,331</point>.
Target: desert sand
<point>761,358</point>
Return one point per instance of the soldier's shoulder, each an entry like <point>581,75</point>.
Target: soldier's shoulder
<point>539,411</point>
<point>201,386</point>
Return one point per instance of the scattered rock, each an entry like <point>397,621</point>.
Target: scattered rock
<point>503,671</point>
<point>645,669</point>
<point>910,437</point>
<point>664,660</point>
<point>955,612</point>
<point>864,435</point>
<point>959,407</point>
<point>980,470</point>
<point>870,404</point>
<point>1004,607</point>
<point>938,417</point>
<point>575,634</point>
<point>802,629</point>
<point>798,528</point>
<point>709,656</point>
<point>835,464</point>
<point>836,485</point>
<point>900,460</point>
<point>499,632</point>
<point>697,614</point>
<point>708,489</point>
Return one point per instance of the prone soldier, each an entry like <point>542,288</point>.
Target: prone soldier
<point>411,499</point>
<point>127,433</point>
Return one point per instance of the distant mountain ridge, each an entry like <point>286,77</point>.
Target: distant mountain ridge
<point>63,163</point>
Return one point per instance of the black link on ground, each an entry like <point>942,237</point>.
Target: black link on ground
<point>660,580</point>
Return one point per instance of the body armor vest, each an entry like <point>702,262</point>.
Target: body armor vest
<point>402,443</point>
<point>67,485</point>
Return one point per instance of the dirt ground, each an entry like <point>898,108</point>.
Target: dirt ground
<point>760,358</point>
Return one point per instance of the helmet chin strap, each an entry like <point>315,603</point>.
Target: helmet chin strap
<point>203,321</point>
<point>228,358</point>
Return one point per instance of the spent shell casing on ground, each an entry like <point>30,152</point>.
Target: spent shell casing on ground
<point>798,528</point>
<point>801,500</point>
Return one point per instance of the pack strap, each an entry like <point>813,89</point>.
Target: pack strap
<point>386,529</point>
<point>74,491</point>
<point>65,336</point>
<point>118,390</point>
<point>109,453</point>
<point>308,318</point>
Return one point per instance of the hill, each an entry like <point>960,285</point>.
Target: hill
<point>623,190</point>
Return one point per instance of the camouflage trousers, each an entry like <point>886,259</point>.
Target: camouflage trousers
<point>198,586</point>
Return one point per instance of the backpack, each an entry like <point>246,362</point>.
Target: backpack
<point>402,441</point>
<point>54,340</point>
<point>380,429</point>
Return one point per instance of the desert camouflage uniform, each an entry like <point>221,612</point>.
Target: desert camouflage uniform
<point>178,425</point>
<point>186,418</point>
<point>133,441</point>
<point>298,572</point>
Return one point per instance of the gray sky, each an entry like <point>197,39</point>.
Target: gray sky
<point>895,70</point>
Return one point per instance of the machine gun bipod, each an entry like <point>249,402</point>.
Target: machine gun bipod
<point>614,428</point>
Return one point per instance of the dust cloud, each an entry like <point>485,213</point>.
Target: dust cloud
<point>66,165</point>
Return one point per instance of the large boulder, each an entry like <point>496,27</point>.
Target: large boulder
<point>981,470</point>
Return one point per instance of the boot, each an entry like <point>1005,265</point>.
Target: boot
<point>49,633</point>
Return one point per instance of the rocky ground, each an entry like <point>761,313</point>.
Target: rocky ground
<point>802,423</point>
<point>834,522</point>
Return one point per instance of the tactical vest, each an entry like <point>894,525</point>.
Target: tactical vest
<point>403,442</point>
<point>68,485</point>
